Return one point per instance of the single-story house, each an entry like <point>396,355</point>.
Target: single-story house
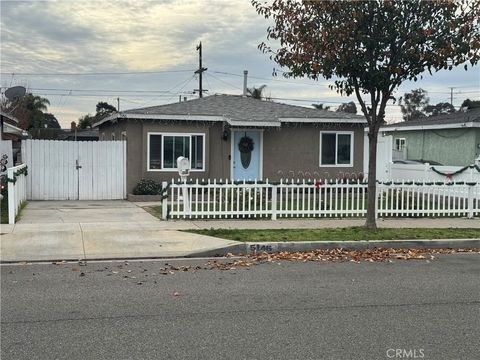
<point>237,137</point>
<point>450,139</point>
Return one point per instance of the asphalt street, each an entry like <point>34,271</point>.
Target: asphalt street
<point>280,310</point>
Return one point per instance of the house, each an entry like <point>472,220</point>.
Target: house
<point>12,134</point>
<point>449,139</point>
<point>72,134</point>
<point>237,137</point>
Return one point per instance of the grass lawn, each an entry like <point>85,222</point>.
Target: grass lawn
<point>340,234</point>
<point>154,210</point>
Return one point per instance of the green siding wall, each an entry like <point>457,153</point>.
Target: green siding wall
<point>454,147</point>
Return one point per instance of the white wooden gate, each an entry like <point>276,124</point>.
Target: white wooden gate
<point>75,170</point>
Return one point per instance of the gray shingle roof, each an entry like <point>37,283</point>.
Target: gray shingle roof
<point>460,117</point>
<point>240,108</point>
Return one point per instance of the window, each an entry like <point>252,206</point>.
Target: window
<point>165,148</point>
<point>336,148</point>
<point>400,143</point>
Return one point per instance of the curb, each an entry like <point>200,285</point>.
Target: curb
<point>277,246</point>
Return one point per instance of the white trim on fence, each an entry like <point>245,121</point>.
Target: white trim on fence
<point>17,191</point>
<point>326,198</point>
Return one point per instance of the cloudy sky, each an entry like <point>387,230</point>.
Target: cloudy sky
<point>77,53</point>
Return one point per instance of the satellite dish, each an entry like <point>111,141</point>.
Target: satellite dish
<point>15,92</point>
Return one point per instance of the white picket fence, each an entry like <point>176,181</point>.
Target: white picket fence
<point>17,190</point>
<point>326,198</point>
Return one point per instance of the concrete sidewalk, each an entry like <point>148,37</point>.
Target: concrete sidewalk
<point>320,223</point>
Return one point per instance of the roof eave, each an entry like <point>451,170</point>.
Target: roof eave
<point>462,125</point>
<point>323,120</point>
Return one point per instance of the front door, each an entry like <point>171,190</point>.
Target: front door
<point>247,149</point>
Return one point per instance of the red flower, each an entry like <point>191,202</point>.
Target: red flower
<point>318,184</point>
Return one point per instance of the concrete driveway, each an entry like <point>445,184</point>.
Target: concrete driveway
<point>72,230</point>
<point>105,211</point>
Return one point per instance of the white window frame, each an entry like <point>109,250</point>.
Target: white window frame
<point>352,142</point>
<point>404,144</point>
<point>163,134</point>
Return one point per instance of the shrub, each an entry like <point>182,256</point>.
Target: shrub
<point>148,187</point>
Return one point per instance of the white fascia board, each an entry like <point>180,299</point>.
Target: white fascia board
<point>254,123</point>
<point>470,124</point>
<point>11,129</point>
<point>324,120</point>
<point>108,118</point>
<point>186,117</point>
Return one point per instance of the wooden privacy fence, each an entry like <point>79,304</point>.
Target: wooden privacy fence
<point>75,170</point>
<point>325,198</point>
<point>17,190</point>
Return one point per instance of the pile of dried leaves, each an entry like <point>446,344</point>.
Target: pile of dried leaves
<point>333,255</point>
<point>370,255</point>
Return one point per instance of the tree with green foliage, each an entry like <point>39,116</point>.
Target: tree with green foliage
<point>439,109</point>
<point>349,107</point>
<point>321,107</point>
<point>50,121</point>
<point>103,109</point>
<point>370,48</point>
<point>29,110</point>
<point>412,104</point>
<point>86,122</point>
<point>471,104</point>
<point>256,93</point>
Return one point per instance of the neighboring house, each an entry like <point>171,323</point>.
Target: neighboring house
<point>78,135</point>
<point>237,137</point>
<point>449,139</point>
<point>11,131</point>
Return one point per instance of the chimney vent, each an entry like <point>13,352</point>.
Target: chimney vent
<point>245,74</point>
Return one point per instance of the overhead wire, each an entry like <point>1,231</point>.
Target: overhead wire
<point>95,73</point>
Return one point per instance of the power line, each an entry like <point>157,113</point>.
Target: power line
<point>224,82</point>
<point>271,79</point>
<point>100,90</point>
<point>96,73</point>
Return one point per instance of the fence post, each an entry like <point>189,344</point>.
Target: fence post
<point>274,202</point>
<point>11,196</point>
<point>165,202</point>
<point>470,202</point>
<point>377,192</point>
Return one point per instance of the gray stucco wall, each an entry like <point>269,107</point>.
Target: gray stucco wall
<point>296,148</point>
<point>291,148</point>
<point>455,147</point>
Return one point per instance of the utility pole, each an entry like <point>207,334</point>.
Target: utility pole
<point>451,95</point>
<point>200,71</point>
<point>118,104</point>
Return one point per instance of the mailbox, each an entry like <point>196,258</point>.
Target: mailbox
<point>183,166</point>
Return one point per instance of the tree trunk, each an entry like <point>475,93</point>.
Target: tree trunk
<point>371,222</point>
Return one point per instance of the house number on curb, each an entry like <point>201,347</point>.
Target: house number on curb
<point>261,247</point>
